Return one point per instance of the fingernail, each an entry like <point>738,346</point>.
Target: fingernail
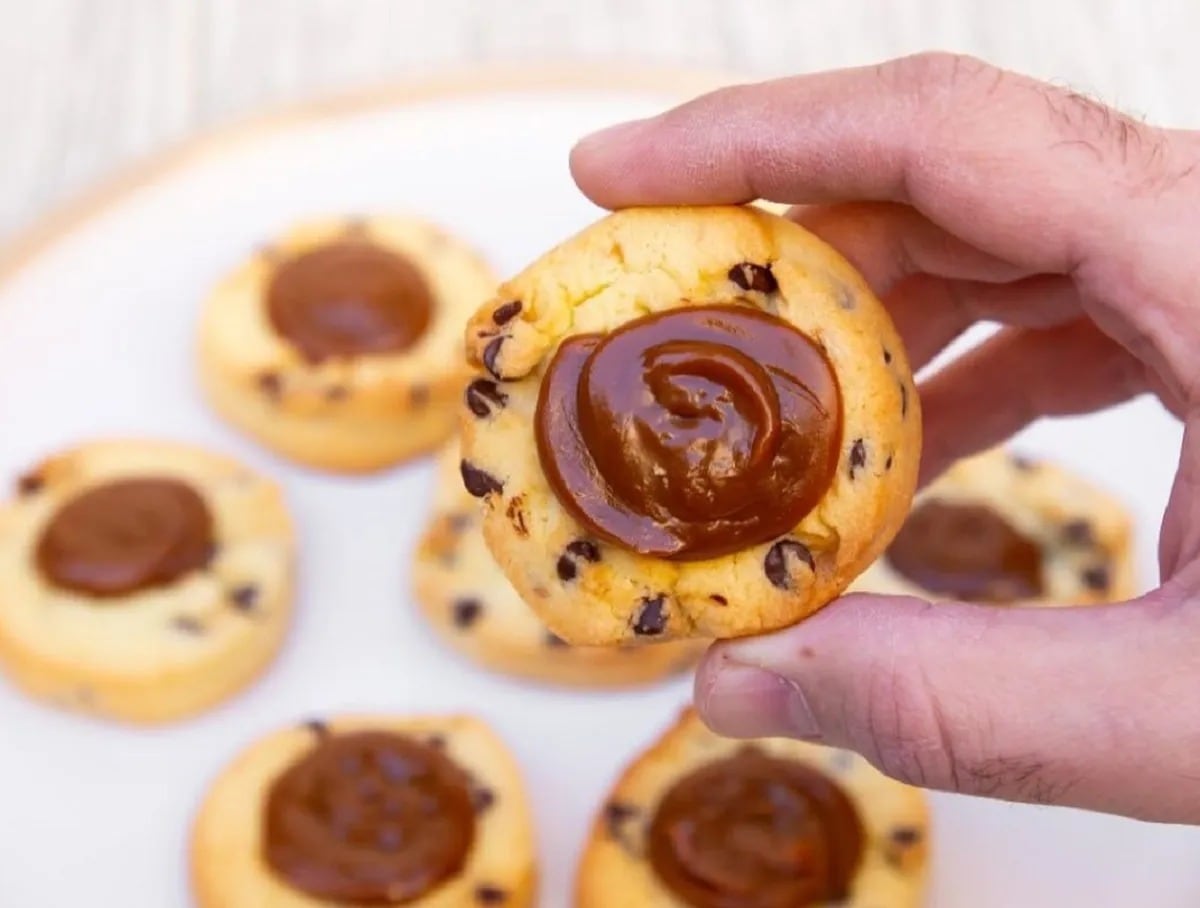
<point>606,139</point>
<point>741,701</point>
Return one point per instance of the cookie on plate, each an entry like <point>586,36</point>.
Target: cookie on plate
<point>711,403</point>
<point>142,580</point>
<point>338,346</point>
<point>367,810</point>
<point>470,603</point>
<point>699,820</point>
<point>1001,528</point>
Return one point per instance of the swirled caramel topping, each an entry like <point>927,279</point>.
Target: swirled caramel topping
<point>369,818</point>
<point>756,831</point>
<point>125,536</point>
<point>349,298</point>
<point>690,433</point>
<point>966,551</point>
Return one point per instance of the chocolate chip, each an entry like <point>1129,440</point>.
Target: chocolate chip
<point>718,599</point>
<point>749,276</point>
<point>565,568</point>
<point>576,550</point>
<point>466,612</point>
<point>478,482</point>
<point>1022,463</point>
<point>776,567</point>
<point>516,516</point>
<point>418,395</point>
<point>270,384</point>
<point>652,618</point>
<point>1097,578</point>
<point>616,814</point>
<point>334,393</point>
<point>186,624</point>
<point>858,456</point>
<point>887,356</point>
<point>1078,532</point>
<point>490,895</point>
<point>210,554</point>
<point>585,549</point>
<point>483,396</point>
<point>506,313</point>
<point>906,835</point>
<point>317,727</point>
<point>887,464</point>
<point>437,742</point>
<point>30,484</point>
<point>903,399</point>
<point>554,641</point>
<point>244,597</point>
<point>490,353</point>
<point>482,798</point>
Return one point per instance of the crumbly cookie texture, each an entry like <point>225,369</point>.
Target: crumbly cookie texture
<point>1085,533</point>
<point>353,414</point>
<point>648,260</point>
<point>614,870</point>
<point>156,654</point>
<point>227,835</point>
<point>471,605</point>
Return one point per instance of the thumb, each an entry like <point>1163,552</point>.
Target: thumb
<point>1089,707</point>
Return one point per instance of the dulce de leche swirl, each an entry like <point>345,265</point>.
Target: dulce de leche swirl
<point>756,831</point>
<point>369,818</point>
<point>690,433</point>
<point>125,536</point>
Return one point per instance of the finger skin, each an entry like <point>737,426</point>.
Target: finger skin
<point>1088,707</point>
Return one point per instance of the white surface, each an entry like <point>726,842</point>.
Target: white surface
<point>95,338</point>
<point>88,85</point>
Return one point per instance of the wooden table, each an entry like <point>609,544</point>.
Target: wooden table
<point>87,86</point>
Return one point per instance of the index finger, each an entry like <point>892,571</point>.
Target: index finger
<point>1021,169</point>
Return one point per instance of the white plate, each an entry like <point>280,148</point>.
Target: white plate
<point>95,338</point>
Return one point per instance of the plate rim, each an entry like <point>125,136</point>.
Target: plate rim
<point>25,245</point>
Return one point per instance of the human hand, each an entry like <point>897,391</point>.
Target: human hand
<point>966,193</point>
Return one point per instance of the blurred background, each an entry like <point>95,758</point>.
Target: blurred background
<point>88,86</point>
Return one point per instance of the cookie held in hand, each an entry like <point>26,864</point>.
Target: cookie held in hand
<point>710,822</point>
<point>337,346</point>
<point>471,605</point>
<point>709,402</point>
<point>142,580</point>
<point>1000,528</point>
<point>360,810</point>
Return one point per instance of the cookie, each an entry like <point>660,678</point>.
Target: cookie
<point>142,580</point>
<point>1001,528</point>
<point>422,811</point>
<point>471,605</point>
<point>711,403</point>
<point>338,345</point>
<point>709,822</point>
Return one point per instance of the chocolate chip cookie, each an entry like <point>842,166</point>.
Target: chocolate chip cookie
<point>368,810</point>
<point>142,580</point>
<point>337,345</point>
<point>705,412</point>
<point>1001,528</point>
<point>709,822</point>
<point>474,609</point>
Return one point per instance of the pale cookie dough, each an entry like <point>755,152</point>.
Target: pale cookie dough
<point>471,605</point>
<point>360,814</point>
<point>644,261</point>
<point>1078,537</point>
<point>617,870</point>
<point>162,651</point>
<point>349,413</point>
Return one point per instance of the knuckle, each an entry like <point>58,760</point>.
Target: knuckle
<point>935,73</point>
<point>904,731</point>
